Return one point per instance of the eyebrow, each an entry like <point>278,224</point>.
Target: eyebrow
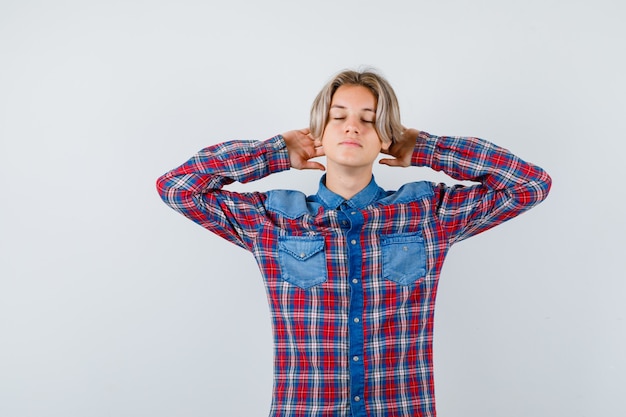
<point>337,106</point>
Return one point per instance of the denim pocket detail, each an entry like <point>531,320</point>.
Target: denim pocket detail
<point>302,260</point>
<point>404,258</point>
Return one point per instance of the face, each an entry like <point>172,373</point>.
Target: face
<point>350,138</point>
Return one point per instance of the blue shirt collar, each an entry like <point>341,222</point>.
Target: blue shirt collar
<point>362,199</point>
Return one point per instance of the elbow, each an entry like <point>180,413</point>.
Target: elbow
<point>544,184</point>
<point>172,195</point>
<point>162,188</point>
<point>533,191</point>
<point>536,190</point>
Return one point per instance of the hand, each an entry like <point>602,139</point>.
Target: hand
<point>302,147</point>
<point>401,150</point>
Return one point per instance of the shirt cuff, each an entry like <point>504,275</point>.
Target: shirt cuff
<point>425,149</point>
<point>277,154</point>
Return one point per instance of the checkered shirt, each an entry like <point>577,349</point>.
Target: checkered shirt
<point>351,284</point>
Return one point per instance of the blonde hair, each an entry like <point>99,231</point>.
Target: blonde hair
<point>387,124</point>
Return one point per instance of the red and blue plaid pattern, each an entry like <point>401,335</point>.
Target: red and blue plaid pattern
<point>354,339</point>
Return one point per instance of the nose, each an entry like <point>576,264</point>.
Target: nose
<point>352,124</point>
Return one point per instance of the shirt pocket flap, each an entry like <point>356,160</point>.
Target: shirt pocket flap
<point>301,248</point>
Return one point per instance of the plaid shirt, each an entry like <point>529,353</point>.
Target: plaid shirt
<point>351,284</point>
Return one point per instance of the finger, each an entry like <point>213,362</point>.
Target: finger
<point>392,162</point>
<point>313,165</point>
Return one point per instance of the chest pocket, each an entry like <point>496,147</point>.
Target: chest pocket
<point>302,260</point>
<point>404,258</point>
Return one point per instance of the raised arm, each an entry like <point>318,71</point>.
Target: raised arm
<point>507,187</point>
<point>195,189</point>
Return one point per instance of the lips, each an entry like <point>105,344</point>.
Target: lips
<point>351,142</point>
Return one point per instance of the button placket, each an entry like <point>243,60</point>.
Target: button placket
<point>355,253</point>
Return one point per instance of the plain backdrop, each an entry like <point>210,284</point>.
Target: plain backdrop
<point>111,304</point>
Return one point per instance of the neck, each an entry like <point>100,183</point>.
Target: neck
<point>348,183</point>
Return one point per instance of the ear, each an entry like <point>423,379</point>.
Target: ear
<point>385,145</point>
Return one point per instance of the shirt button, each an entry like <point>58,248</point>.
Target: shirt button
<point>302,255</point>
<point>356,320</point>
<point>353,241</point>
<point>355,358</point>
<point>357,398</point>
<point>355,281</point>
<point>353,213</point>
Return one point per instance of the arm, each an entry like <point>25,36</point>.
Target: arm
<point>507,187</point>
<point>195,189</point>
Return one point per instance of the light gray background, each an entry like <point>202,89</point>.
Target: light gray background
<point>111,304</point>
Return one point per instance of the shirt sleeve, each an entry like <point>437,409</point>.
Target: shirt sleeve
<point>507,187</point>
<point>195,189</point>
